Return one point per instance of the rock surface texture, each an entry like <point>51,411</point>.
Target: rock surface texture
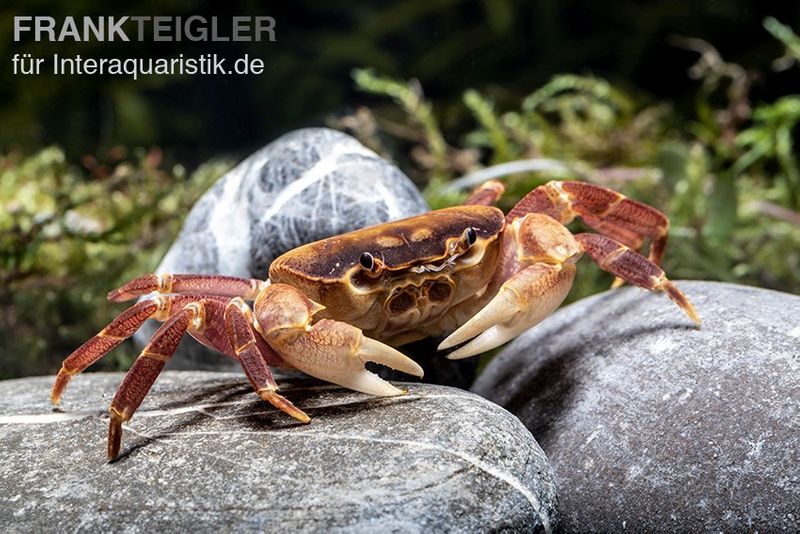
<point>205,454</point>
<point>652,425</point>
<point>306,185</point>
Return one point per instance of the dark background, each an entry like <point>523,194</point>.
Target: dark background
<point>98,172</point>
<point>504,47</point>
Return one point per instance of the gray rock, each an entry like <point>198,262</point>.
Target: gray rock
<point>205,454</point>
<point>653,425</point>
<point>306,185</point>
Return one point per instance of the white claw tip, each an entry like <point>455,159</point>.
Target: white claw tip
<point>377,352</point>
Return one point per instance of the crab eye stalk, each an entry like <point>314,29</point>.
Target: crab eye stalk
<point>471,236</point>
<point>367,261</point>
<point>467,239</point>
<point>370,264</point>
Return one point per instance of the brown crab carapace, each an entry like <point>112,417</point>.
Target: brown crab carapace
<point>470,272</point>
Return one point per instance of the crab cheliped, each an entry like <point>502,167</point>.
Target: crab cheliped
<point>468,272</point>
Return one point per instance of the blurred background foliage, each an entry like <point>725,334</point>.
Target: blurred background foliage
<point>690,106</point>
<point>68,235</point>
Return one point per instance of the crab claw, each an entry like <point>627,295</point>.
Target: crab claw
<point>522,301</point>
<point>329,350</point>
<point>336,352</point>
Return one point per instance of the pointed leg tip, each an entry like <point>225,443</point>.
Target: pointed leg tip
<point>285,405</point>
<point>114,436</point>
<point>55,397</point>
<point>689,310</point>
<point>62,380</point>
<point>687,307</point>
<point>120,295</point>
<point>677,296</point>
<point>301,417</point>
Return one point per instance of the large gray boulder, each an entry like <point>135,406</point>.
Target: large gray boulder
<point>304,186</point>
<point>205,454</point>
<point>651,424</point>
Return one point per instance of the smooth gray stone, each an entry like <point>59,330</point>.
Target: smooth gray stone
<point>304,186</point>
<point>652,425</point>
<point>203,453</point>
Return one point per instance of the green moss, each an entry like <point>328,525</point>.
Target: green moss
<point>68,235</point>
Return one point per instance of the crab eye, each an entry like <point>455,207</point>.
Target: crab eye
<point>367,261</point>
<point>472,236</point>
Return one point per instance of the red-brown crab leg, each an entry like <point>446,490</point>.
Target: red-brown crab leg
<point>251,353</point>
<point>146,368</point>
<point>608,212</point>
<point>205,284</point>
<point>615,258</point>
<point>486,194</point>
<point>202,318</point>
<point>330,350</point>
<point>117,331</point>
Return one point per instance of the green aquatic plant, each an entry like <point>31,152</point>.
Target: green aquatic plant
<point>790,40</point>
<point>727,177</point>
<point>410,98</point>
<point>69,233</point>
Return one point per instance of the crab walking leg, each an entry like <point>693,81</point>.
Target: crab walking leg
<point>608,212</point>
<point>329,350</point>
<point>206,284</point>
<point>117,331</point>
<point>486,194</point>
<point>147,367</point>
<point>244,341</point>
<point>523,301</point>
<point>632,267</point>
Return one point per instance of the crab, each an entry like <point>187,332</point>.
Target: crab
<point>470,273</point>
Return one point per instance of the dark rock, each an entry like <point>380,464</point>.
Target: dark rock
<point>306,185</point>
<point>205,454</point>
<point>653,425</point>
